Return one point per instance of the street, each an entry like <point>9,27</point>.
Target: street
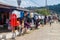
<point>44,33</point>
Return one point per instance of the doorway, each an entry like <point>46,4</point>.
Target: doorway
<point>4,15</point>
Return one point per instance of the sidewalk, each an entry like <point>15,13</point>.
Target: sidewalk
<point>46,29</point>
<point>8,34</point>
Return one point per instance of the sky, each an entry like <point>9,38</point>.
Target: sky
<point>27,3</point>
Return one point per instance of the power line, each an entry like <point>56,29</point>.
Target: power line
<point>34,2</point>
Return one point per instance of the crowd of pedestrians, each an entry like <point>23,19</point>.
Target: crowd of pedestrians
<point>27,23</point>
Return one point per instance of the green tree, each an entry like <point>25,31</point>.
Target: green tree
<point>43,11</point>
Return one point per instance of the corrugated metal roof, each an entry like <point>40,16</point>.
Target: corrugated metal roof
<point>22,9</point>
<point>2,5</point>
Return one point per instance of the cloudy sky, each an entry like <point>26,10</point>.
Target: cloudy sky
<point>27,3</point>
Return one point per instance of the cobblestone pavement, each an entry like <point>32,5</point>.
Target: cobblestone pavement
<point>44,33</point>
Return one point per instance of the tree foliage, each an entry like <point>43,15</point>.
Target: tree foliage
<point>43,11</point>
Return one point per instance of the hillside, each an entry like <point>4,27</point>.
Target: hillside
<point>55,8</point>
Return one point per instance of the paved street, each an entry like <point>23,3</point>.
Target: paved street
<point>44,33</point>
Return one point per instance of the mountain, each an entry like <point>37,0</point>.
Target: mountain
<point>33,8</point>
<point>55,8</point>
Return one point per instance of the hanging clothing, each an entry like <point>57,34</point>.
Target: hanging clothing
<point>13,20</point>
<point>21,14</point>
<point>18,23</point>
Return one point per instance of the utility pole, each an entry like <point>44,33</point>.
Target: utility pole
<point>46,3</point>
<point>46,6</point>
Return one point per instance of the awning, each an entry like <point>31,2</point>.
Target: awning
<point>2,5</point>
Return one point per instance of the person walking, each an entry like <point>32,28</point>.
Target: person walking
<point>19,28</point>
<point>42,21</point>
<point>37,22</point>
<point>50,20</point>
<point>45,19</point>
<point>13,23</point>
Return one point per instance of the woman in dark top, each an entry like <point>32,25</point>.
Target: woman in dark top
<point>45,20</point>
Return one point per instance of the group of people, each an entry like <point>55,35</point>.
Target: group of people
<point>28,22</point>
<point>23,25</point>
<point>43,20</point>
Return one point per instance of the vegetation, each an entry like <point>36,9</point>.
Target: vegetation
<point>54,8</point>
<point>43,11</point>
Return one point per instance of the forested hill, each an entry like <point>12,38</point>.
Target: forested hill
<point>55,8</point>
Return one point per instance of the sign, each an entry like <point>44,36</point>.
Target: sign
<point>19,2</point>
